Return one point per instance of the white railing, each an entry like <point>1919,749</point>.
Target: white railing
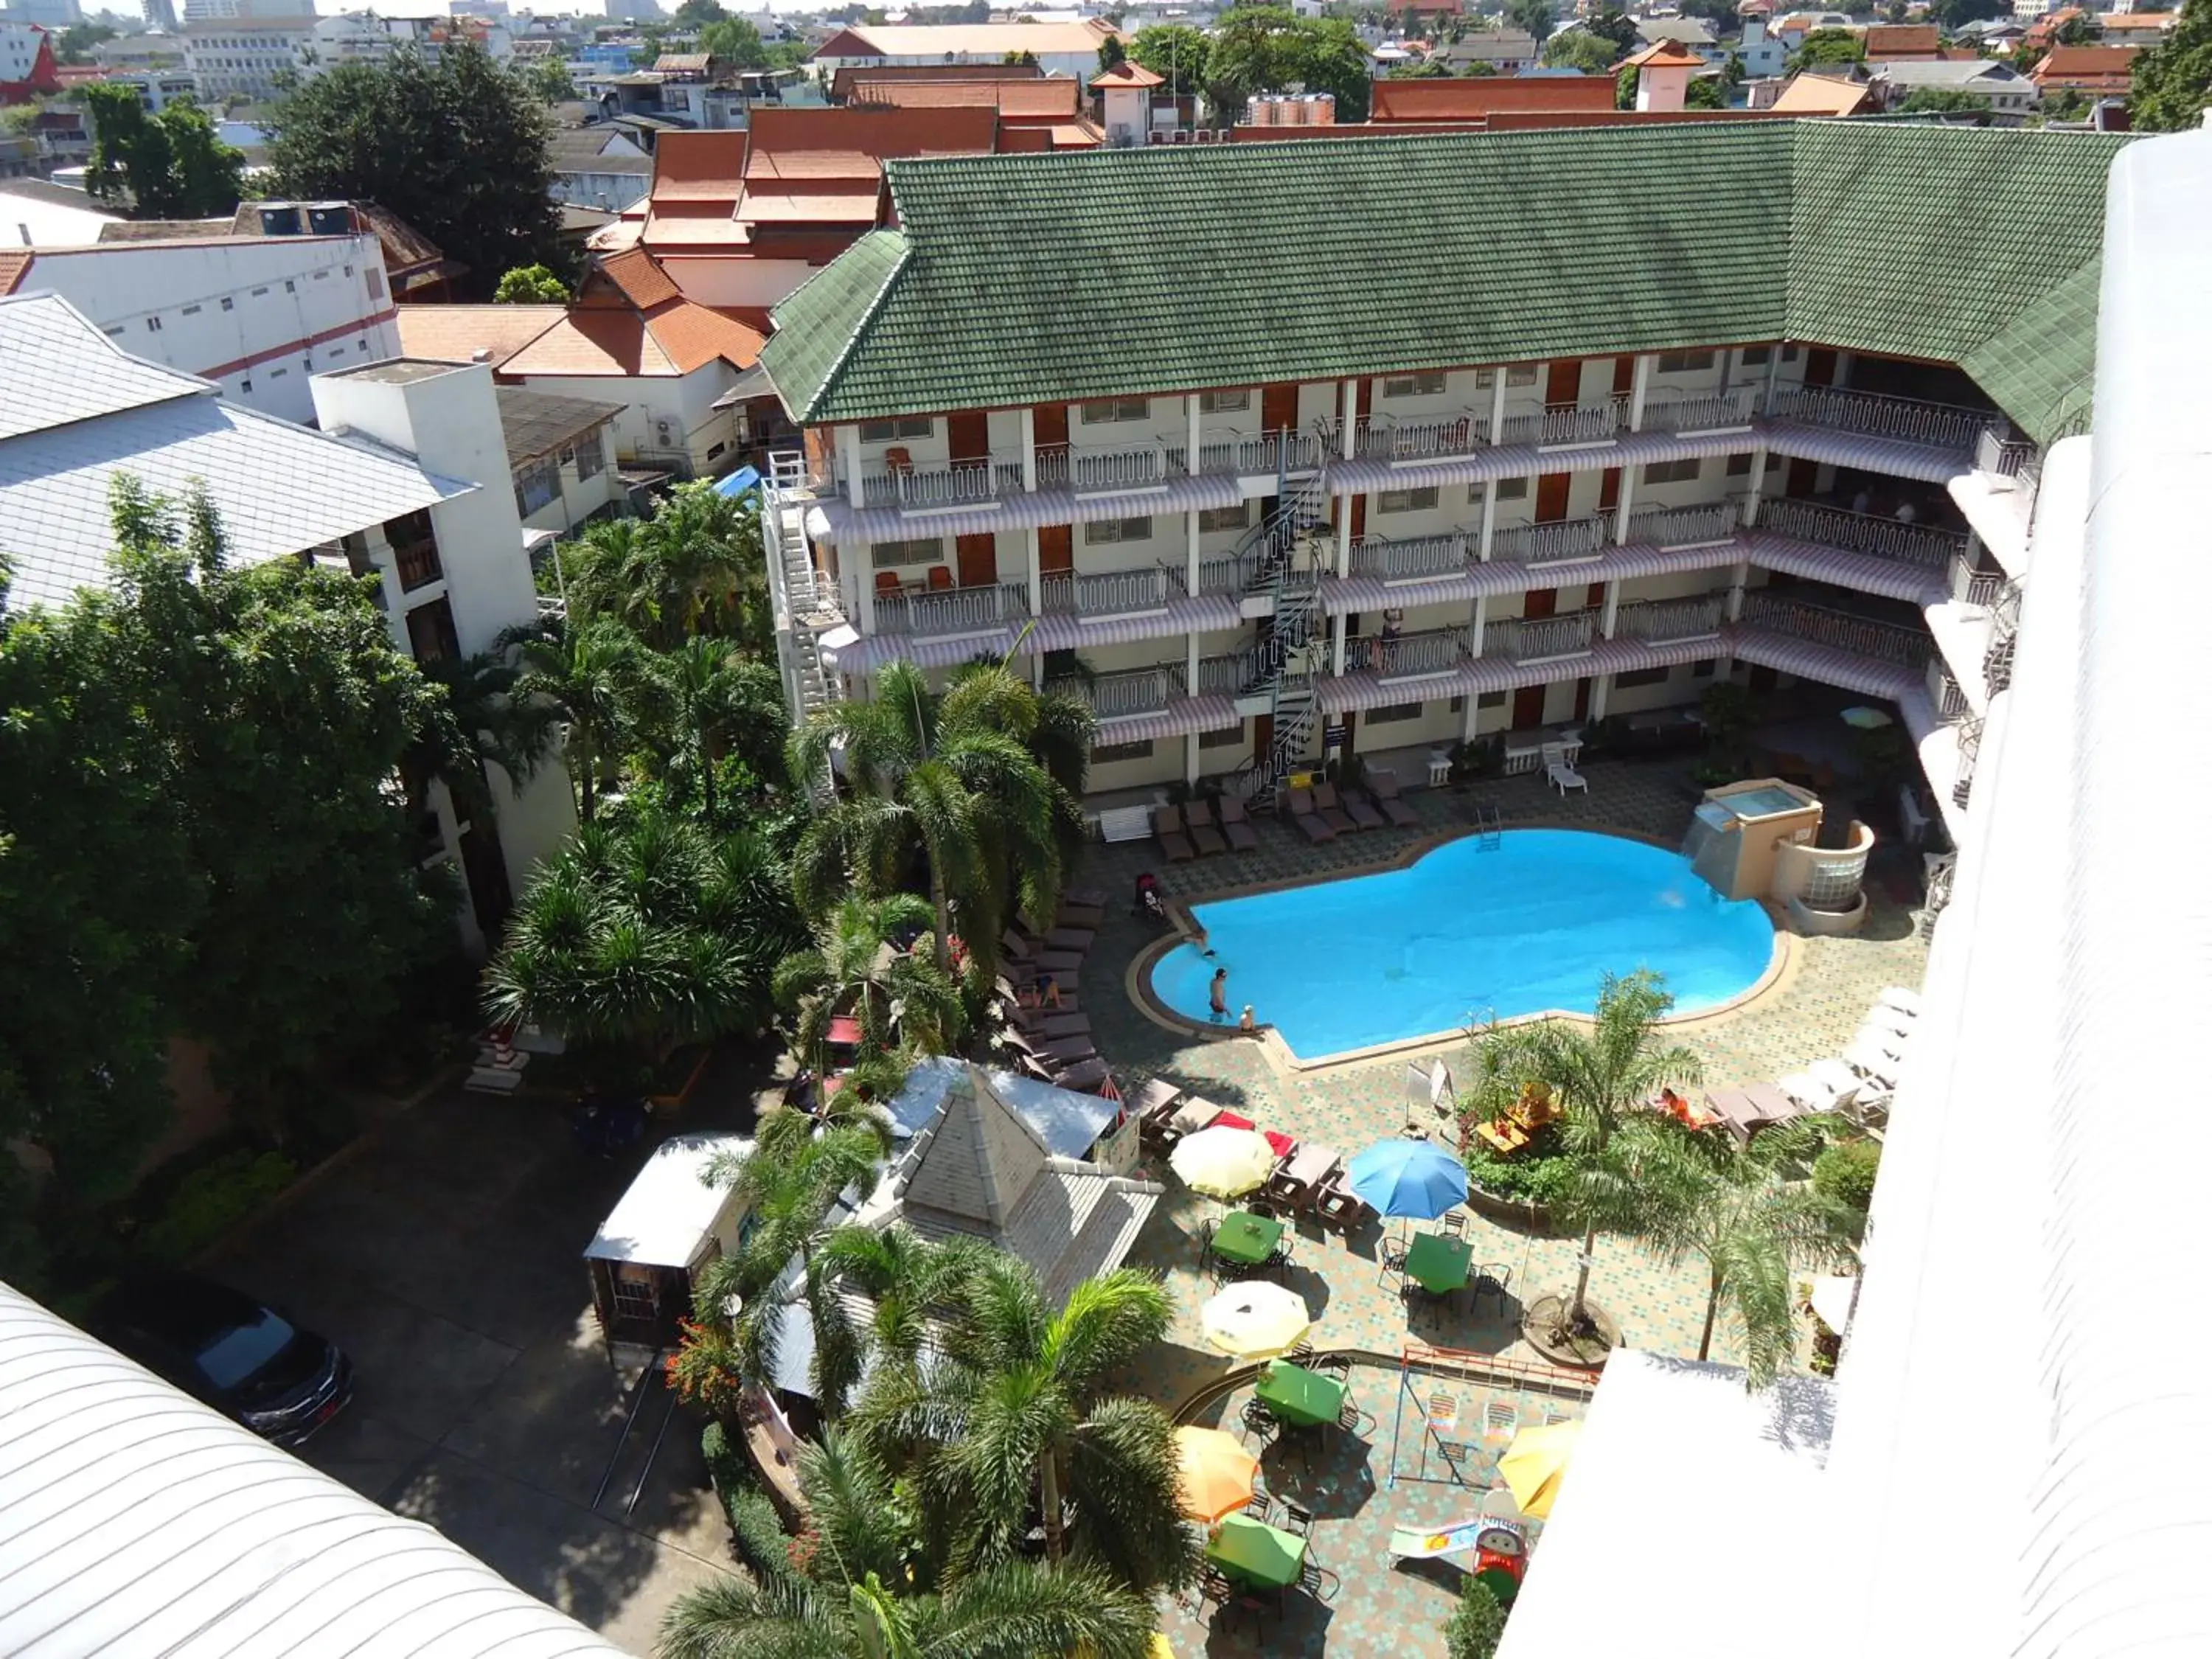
<point>1973,586</point>
<point>1413,558</point>
<point>1234,575</point>
<point>1270,452</point>
<point>1716,411</point>
<point>1131,466</point>
<point>1844,630</point>
<point>1951,702</point>
<point>1236,675</point>
<point>1562,540</point>
<point>1685,526</point>
<point>1862,532</point>
<point>1568,424</point>
<point>953,610</point>
<point>1656,622</point>
<point>1878,416</point>
<point>1436,651</point>
<point>1125,691</point>
<point>1110,593</point>
<point>1393,440</point>
<point>1970,750</point>
<point>2002,456</point>
<point>948,485</point>
<point>1525,640</point>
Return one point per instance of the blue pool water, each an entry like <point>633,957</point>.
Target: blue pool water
<point>1527,924</point>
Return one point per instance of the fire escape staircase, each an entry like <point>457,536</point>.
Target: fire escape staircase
<point>1287,553</point>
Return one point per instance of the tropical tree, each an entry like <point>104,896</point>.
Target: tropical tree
<point>169,166</point>
<point>695,567</point>
<point>1696,1195</point>
<point>644,932</point>
<point>859,1597</point>
<point>854,966</point>
<point>493,726</point>
<point>1011,1421</point>
<point>950,778</point>
<point>1176,52</point>
<point>1598,1071</point>
<point>590,675</point>
<point>531,285</point>
<point>718,702</point>
<point>906,1280</point>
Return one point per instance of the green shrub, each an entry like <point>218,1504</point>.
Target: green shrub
<point>754,1526</point>
<point>1537,1174</point>
<point>1845,1172</point>
<point>1477,1623</point>
<point>213,1199</point>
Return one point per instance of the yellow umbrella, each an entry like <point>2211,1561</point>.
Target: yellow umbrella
<point>1223,1162</point>
<point>1535,1463</point>
<point>1217,1473</point>
<point>1160,1649</point>
<point>1255,1320</point>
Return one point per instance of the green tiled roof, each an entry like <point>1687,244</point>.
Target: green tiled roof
<point>1032,278</point>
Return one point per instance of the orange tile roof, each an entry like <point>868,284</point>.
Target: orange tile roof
<point>454,334</point>
<point>877,133</point>
<point>1461,100</point>
<point>638,278</point>
<point>12,267</point>
<point>1819,94</point>
<point>2089,68</point>
<point>664,231</point>
<point>1128,73</point>
<point>794,207</point>
<point>694,336</point>
<point>928,94</point>
<point>1073,135</point>
<point>698,166</point>
<point>1897,41</point>
<point>594,342</point>
<point>1059,95</point>
<point>1666,54</point>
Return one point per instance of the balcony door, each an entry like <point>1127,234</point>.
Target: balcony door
<point>1563,381</point>
<point>1529,706</point>
<point>968,435</point>
<point>979,558</point>
<point>1279,406</point>
<point>1608,490</point>
<point>1623,377</point>
<point>1055,549</point>
<point>1820,366</point>
<point>1539,602</point>
<point>1051,422</point>
<point>1551,496</point>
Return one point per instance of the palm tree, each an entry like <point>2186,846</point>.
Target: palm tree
<point>854,968</point>
<point>717,701</point>
<point>1695,1194</point>
<point>906,1279</point>
<point>1011,1420</point>
<point>589,674</point>
<point>861,1599</point>
<point>489,724</point>
<point>950,778</point>
<point>695,567</point>
<point>1598,1071</point>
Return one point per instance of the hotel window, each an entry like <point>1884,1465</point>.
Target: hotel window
<point>923,549</point>
<point>907,426</point>
<point>537,484</point>
<point>1223,403</point>
<point>1790,353</point>
<point>1406,501</point>
<point>1512,489</point>
<point>1703,669</point>
<point>1485,379</point>
<point>430,631</point>
<point>1684,472</point>
<point>1396,711</point>
<point>1425,383</point>
<point>1490,700</point>
<point>1756,356</point>
<point>1105,753</point>
<point>1117,530</point>
<point>192,310</point>
<point>1225,517</point>
<point>375,285</point>
<point>591,454</point>
<point>1521,375</point>
<point>1229,737</point>
<point>415,550</point>
<point>1105,411</point>
<point>1739,465</point>
<point>1635,677</point>
<point>1684,362</point>
<point>153,324</point>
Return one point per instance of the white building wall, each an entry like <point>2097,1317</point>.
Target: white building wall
<point>681,405</point>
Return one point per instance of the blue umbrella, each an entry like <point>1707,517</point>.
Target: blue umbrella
<point>1414,1178</point>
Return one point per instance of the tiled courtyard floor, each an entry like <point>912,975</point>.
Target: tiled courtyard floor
<point>1812,1014</point>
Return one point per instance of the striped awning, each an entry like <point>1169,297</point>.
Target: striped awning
<point>1863,573</point>
<point>876,650</point>
<point>1487,674</point>
<point>1203,614</point>
<point>1929,463</point>
<point>1186,715</point>
<point>1869,676</point>
<point>843,523</point>
<point>1359,593</point>
<point>1365,476</point>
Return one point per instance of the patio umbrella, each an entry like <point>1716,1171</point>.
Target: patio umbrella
<point>1535,1463</point>
<point>1867,720</point>
<point>1414,1178</point>
<point>1215,1473</point>
<point>1255,1320</point>
<point>1223,1162</point>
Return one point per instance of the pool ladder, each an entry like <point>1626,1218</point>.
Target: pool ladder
<point>1489,826</point>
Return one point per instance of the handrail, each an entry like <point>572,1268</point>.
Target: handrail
<point>1924,544</point>
<point>1550,543</point>
<point>1878,414</point>
<point>1734,407</point>
<point>1432,651</point>
<point>1684,527</point>
<point>952,609</point>
<point>1844,630</point>
<point>1442,555</point>
<point>1391,439</point>
<point>1539,639</point>
<point>1656,622</point>
<point>1110,593</point>
<point>1124,691</point>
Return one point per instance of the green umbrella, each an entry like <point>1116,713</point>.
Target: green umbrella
<point>1867,720</point>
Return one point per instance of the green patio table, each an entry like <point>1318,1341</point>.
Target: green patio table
<point>1438,1264</point>
<point>1299,1396</point>
<point>1246,1240</point>
<point>1257,1553</point>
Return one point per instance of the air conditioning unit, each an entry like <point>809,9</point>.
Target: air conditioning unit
<point>1182,136</point>
<point>665,431</point>
<point>1203,135</point>
<point>1156,137</point>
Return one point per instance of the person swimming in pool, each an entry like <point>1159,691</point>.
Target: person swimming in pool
<point>1198,937</point>
<point>1217,997</point>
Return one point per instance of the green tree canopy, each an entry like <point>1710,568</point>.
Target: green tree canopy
<point>1536,17</point>
<point>1578,48</point>
<point>735,41</point>
<point>456,148</point>
<point>697,14</point>
<point>1176,52</point>
<point>1950,16</point>
<point>2173,79</point>
<point>170,166</point>
<point>1824,48</point>
<point>1266,49</point>
<point>1929,100</point>
<point>1705,92</point>
<point>1111,53</point>
<point>75,44</point>
<point>531,285</point>
<point>548,77</point>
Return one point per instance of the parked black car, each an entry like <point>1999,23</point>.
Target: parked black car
<point>223,1347</point>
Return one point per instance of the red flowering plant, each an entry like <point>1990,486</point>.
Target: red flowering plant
<point>703,1370</point>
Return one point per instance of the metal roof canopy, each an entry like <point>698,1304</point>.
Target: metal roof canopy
<point>668,1214</point>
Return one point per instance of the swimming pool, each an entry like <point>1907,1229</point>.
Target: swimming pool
<point>1529,923</point>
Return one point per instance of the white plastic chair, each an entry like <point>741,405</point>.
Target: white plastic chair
<point>1873,1064</point>
<point>1882,1016</point>
<point>1562,776</point>
<point>1897,997</point>
<point>1890,1042</point>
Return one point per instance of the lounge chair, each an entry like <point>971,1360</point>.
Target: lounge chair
<point>1881,1037</point>
<point>1243,838</point>
<point>1301,803</point>
<point>1882,1016</point>
<point>1019,950</point>
<point>1198,811</point>
<point>1167,828</point>
<point>1207,840</point>
<point>1897,997</point>
<point>1049,1024</point>
<point>1561,775</point>
<point>1073,914</point>
<point>1084,1078</point>
<point>1019,990</point>
<point>1053,1052</point>
<point>1362,810</point>
<point>1154,1097</point>
<point>1059,937</point>
<point>1331,810</point>
<point>1818,1090</point>
<point>1385,787</point>
<point>1875,1064</point>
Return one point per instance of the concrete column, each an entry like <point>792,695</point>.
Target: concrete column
<point>849,458</point>
<point>1489,519</point>
<point>1190,549</point>
<point>1191,428</point>
<point>1774,379</point>
<point>1190,665</point>
<point>1337,627</point>
<point>1758,485</point>
<point>1599,686</point>
<point>1190,757</point>
<point>1343,535</point>
<point>1347,439</point>
<point>864,581</point>
<point>1471,711</point>
<point>1027,417</point>
<point>1739,579</point>
<point>1497,409</point>
<point>1609,612</point>
<point>1034,546</point>
<point>1638,388</point>
<point>1625,505</point>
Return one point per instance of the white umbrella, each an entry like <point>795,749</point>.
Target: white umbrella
<point>1222,1162</point>
<point>1255,1320</point>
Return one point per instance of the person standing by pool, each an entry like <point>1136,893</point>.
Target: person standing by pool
<point>1218,995</point>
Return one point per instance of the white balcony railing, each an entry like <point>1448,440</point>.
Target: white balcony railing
<point>1415,557</point>
<point>1685,526</point>
<point>1568,424</point>
<point>1235,574</point>
<point>1236,675</point>
<point>945,485</point>
<point>1392,440</point>
<point>2004,457</point>
<point>1524,640</point>
<point>1657,621</point>
<point>1926,545</point>
<point>952,609</point>
<point>1133,466</point>
<point>1110,593</point>
<point>1272,452</point>
<point>1973,586</point>
<point>1125,691</point>
<point>1435,650</point>
<point>1562,541</point>
<point>1907,419</point>
<point>1716,411</point>
<point>1844,630</point>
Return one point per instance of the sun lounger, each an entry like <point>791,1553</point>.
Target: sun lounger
<point>1061,938</point>
<point>1818,1092</point>
<point>1080,916</point>
<point>1243,838</point>
<point>1362,810</point>
<point>1872,1063</point>
<point>1154,1097</point>
<point>1331,810</point>
<point>1882,1016</point>
<point>1198,811</point>
<point>1049,1025</point>
<point>1897,997</point>
<point>1053,1051</point>
<point>1017,949</point>
<point>1301,803</point>
<point>1167,827</point>
<point>1561,775</point>
<point>1017,987</point>
<point>1385,787</point>
<point>1207,840</point>
<point>1084,1078</point>
<point>1424,1544</point>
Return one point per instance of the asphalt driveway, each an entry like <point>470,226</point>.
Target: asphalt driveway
<point>444,1254</point>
